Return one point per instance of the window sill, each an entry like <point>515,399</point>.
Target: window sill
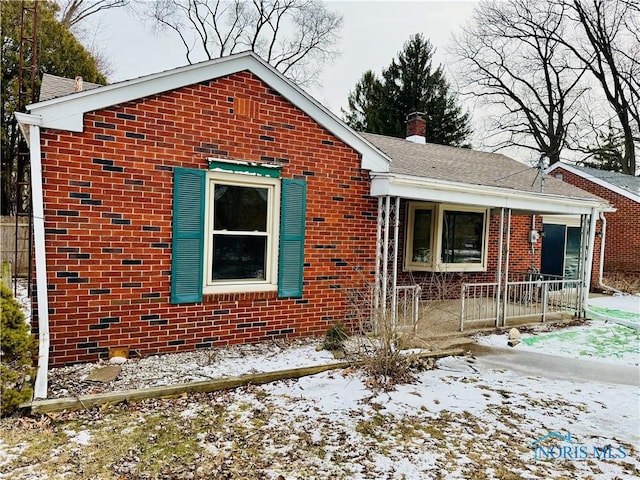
<point>240,296</point>
<point>446,267</point>
<point>240,288</point>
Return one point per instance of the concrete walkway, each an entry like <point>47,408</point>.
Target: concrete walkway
<point>531,363</point>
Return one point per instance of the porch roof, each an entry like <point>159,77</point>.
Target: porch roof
<point>439,173</point>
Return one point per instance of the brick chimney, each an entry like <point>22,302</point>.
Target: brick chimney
<point>416,127</point>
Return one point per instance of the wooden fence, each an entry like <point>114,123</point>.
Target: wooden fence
<point>8,243</point>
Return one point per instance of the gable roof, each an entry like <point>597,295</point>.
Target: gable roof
<point>67,112</point>
<point>625,185</point>
<point>53,87</point>
<point>491,175</point>
<point>398,167</point>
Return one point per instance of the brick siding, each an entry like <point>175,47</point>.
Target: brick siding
<point>108,222</point>
<point>622,243</point>
<point>108,208</point>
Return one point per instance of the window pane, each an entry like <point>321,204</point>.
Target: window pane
<point>422,236</point>
<point>462,237</point>
<point>572,253</point>
<point>239,208</point>
<point>239,257</point>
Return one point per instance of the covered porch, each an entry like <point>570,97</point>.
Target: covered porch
<point>497,292</point>
<point>459,240</point>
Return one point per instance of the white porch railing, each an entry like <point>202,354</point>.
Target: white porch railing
<point>486,302</point>
<point>408,306</point>
<point>479,303</point>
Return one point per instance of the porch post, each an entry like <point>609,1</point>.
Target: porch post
<point>394,259</point>
<point>385,258</point>
<point>499,272</point>
<point>506,270</point>
<point>378,279</point>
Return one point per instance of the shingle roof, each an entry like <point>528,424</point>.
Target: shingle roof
<point>629,183</point>
<point>463,165</point>
<point>54,87</point>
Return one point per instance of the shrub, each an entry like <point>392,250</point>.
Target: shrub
<point>335,337</point>
<point>18,351</point>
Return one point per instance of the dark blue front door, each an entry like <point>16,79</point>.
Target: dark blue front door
<point>553,245</point>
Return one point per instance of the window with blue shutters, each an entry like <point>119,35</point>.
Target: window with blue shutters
<point>188,235</point>
<point>292,223</point>
<point>236,229</point>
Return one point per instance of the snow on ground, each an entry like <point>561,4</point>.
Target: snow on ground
<point>597,340</point>
<point>474,415</point>
<point>458,421</point>
<point>626,303</point>
<point>171,369</point>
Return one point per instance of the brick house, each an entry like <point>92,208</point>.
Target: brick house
<point>218,203</point>
<point>621,227</point>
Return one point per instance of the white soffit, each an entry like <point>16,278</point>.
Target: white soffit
<point>492,197</point>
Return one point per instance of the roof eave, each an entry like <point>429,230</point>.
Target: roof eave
<point>596,180</point>
<point>425,189</point>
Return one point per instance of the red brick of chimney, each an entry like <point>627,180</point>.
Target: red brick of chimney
<point>416,127</point>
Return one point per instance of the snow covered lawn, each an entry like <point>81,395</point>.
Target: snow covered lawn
<point>596,340</point>
<point>454,422</point>
<point>458,421</point>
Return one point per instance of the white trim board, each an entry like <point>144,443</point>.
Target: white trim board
<point>429,190</point>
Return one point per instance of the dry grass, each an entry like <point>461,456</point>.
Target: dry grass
<point>625,282</point>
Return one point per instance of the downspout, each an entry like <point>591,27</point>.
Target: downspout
<point>30,127</point>
<point>41,263</point>
<point>603,236</point>
<point>589,265</point>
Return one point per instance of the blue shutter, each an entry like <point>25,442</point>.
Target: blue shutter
<point>188,235</point>
<point>292,221</point>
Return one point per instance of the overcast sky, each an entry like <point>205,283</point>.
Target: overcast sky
<point>373,33</point>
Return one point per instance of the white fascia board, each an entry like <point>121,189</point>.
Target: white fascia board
<point>568,220</point>
<point>596,180</point>
<point>67,113</point>
<point>492,197</point>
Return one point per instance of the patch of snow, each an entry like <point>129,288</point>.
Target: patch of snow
<point>83,437</point>
<point>627,303</point>
<point>189,413</point>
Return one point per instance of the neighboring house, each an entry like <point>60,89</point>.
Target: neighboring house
<point>218,203</point>
<point>622,226</point>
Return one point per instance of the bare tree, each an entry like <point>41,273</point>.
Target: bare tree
<point>609,47</point>
<point>295,36</point>
<point>73,12</point>
<point>512,60</point>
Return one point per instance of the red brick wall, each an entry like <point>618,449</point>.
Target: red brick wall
<point>108,212</point>
<point>622,243</point>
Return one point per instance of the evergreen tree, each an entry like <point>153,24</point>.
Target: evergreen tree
<point>608,154</point>
<point>58,53</point>
<point>409,84</point>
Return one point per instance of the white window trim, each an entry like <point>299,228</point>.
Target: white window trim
<point>409,264</point>
<point>436,264</point>
<point>273,228</point>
